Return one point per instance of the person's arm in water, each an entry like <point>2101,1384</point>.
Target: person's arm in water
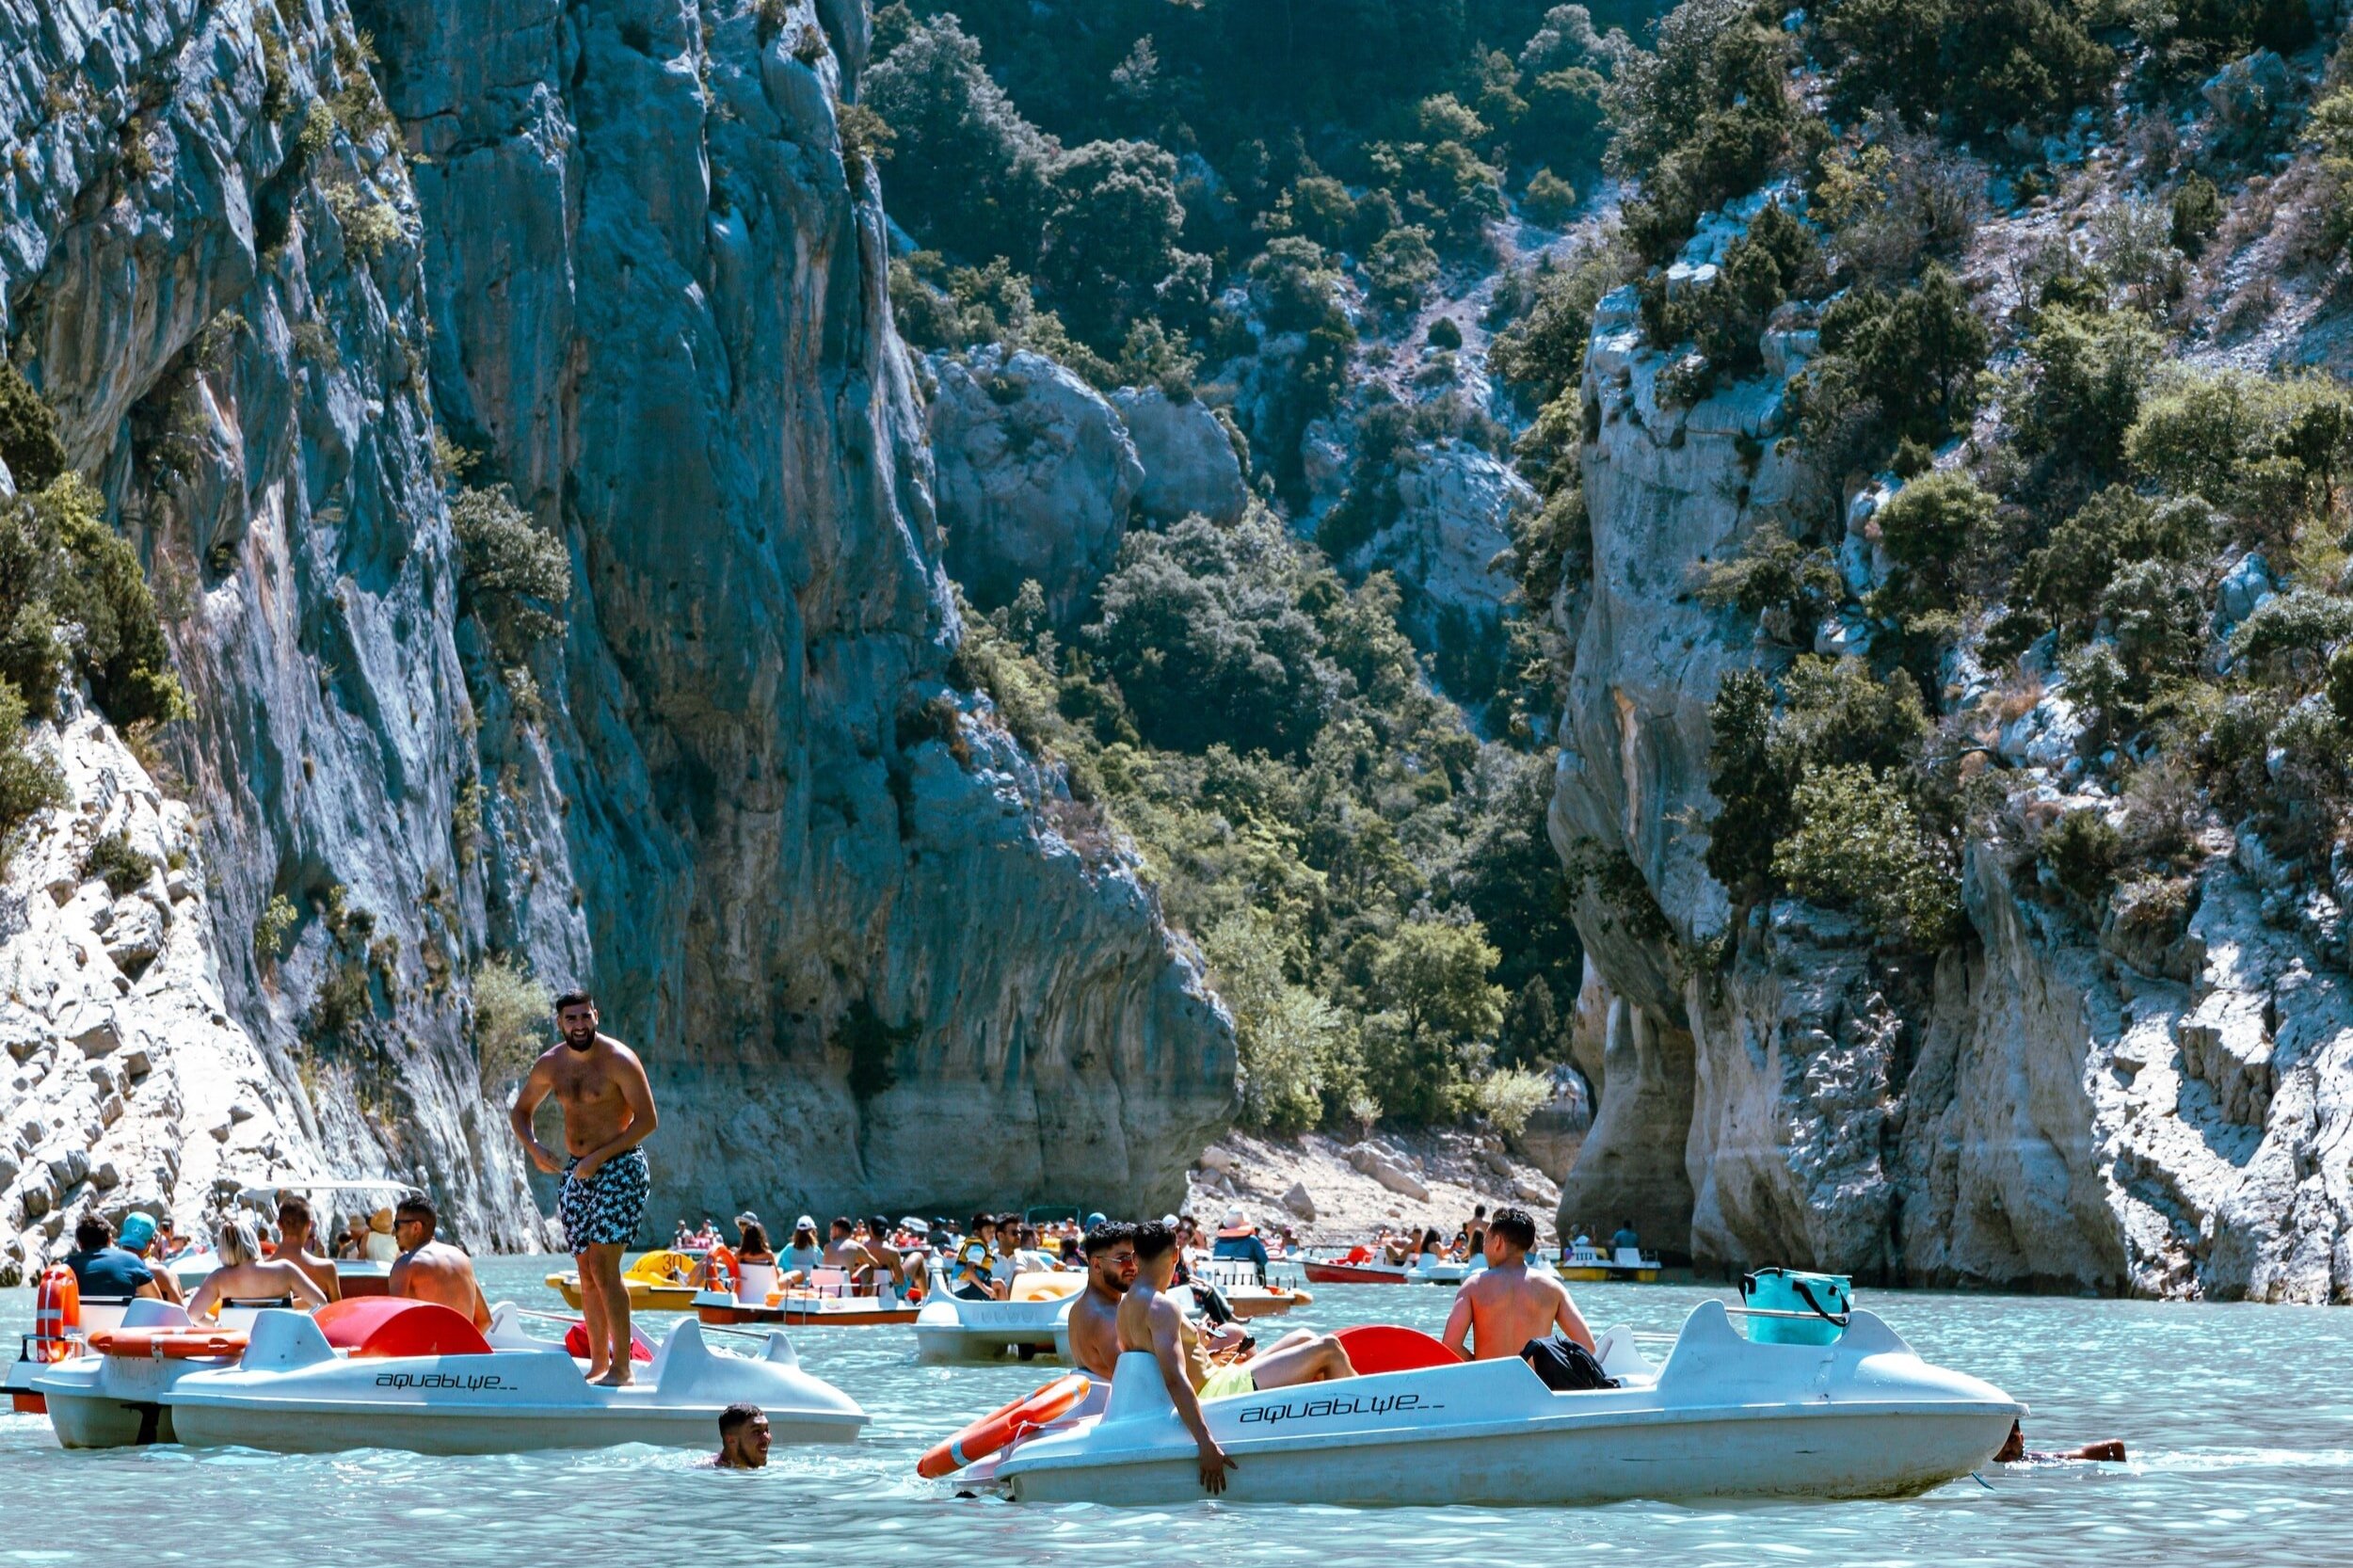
<point>1168,1349</point>
<point>1458,1324</point>
<point>637,1093</point>
<point>1569,1320</point>
<point>536,1086</point>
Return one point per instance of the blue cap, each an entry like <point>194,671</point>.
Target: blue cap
<point>138,1230</point>
<point>1094,1219</point>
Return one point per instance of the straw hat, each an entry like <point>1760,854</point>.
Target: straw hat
<point>381,1219</point>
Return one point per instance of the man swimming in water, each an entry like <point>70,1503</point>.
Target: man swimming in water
<point>1150,1320</point>
<point>430,1270</point>
<point>1110,1249</point>
<point>1502,1308</point>
<point>743,1438</point>
<point>608,1114</point>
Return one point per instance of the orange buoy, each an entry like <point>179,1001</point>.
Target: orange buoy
<point>999,1426</point>
<point>724,1268</point>
<point>168,1344</point>
<point>56,1314</point>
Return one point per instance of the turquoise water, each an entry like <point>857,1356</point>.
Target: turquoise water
<point>2239,1419</point>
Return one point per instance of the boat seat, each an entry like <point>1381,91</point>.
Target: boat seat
<point>829,1282</point>
<point>754,1280</point>
<point>1377,1348</point>
<point>1628,1258</point>
<point>399,1325</point>
<point>576,1343</point>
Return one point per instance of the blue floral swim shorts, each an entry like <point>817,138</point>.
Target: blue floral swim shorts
<point>606,1207</point>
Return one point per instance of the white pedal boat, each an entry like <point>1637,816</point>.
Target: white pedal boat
<point>294,1392</point>
<point>1725,1418</point>
<point>1034,1323</point>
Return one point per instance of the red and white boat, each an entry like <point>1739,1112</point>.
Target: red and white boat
<point>1356,1266</point>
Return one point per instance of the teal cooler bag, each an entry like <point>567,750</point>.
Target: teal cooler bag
<point>1824,1299</point>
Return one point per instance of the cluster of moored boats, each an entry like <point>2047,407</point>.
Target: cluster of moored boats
<point>1800,1397</point>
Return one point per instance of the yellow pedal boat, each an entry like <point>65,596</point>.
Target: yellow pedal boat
<point>657,1282</point>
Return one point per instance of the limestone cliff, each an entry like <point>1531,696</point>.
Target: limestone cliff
<point>842,915</point>
<point>623,257</point>
<point>2044,1105</point>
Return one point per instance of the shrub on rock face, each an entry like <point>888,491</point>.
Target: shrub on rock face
<point>1928,528</point>
<point>1550,199</point>
<point>511,1011</point>
<point>1202,632</point>
<point>516,575</point>
<point>1111,236</point>
<point>29,783</point>
<point>1401,267</point>
<point>62,565</point>
<point>2079,391</point>
<point>969,173</point>
<point>2083,853</point>
<point>1859,846</point>
<point>2116,528</point>
<point>1701,118</point>
<point>28,432</point>
<point>1892,365</point>
<point>2294,630</point>
<point>1978,67</point>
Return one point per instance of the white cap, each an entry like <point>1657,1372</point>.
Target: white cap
<point>1169,1219</point>
<point>1233,1216</point>
<point>804,1223</point>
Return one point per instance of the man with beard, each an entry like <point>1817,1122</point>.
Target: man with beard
<point>608,1114</point>
<point>1109,1250</point>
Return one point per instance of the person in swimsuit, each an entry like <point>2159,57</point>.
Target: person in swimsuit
<point>430,1270</point>
<point>1151,1320</point>
<point>1110,1254</point>
<point>608,1116</point>
<point>295,1226</point>
<point>1503,1309</point>
<point>246,1276</point>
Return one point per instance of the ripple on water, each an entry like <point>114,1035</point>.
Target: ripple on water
<point>2237,1418</point>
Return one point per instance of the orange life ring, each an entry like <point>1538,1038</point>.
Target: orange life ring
<point>724,1268</point>
<point>169,1344</point>
<point>1001,1425</point>
<point>56,1315</point>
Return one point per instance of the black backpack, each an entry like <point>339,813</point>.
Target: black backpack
<point>1565,1366</point>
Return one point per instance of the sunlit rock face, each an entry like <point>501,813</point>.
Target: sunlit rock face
<point>873,952</point>
<point>2140,1109</point>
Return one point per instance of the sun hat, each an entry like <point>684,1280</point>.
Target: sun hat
<point>747,1218</point>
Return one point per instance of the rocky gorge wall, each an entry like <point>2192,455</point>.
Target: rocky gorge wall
<point>2046,1106</point>
<point>620,254</point>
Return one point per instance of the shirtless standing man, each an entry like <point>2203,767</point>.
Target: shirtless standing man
<point>1150,1320</point>
<point>430,1270</point>
<point>608,1113</point>
<point>1502,1307</point>
<point>1110,1254</point>
<point>297,1235</point>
